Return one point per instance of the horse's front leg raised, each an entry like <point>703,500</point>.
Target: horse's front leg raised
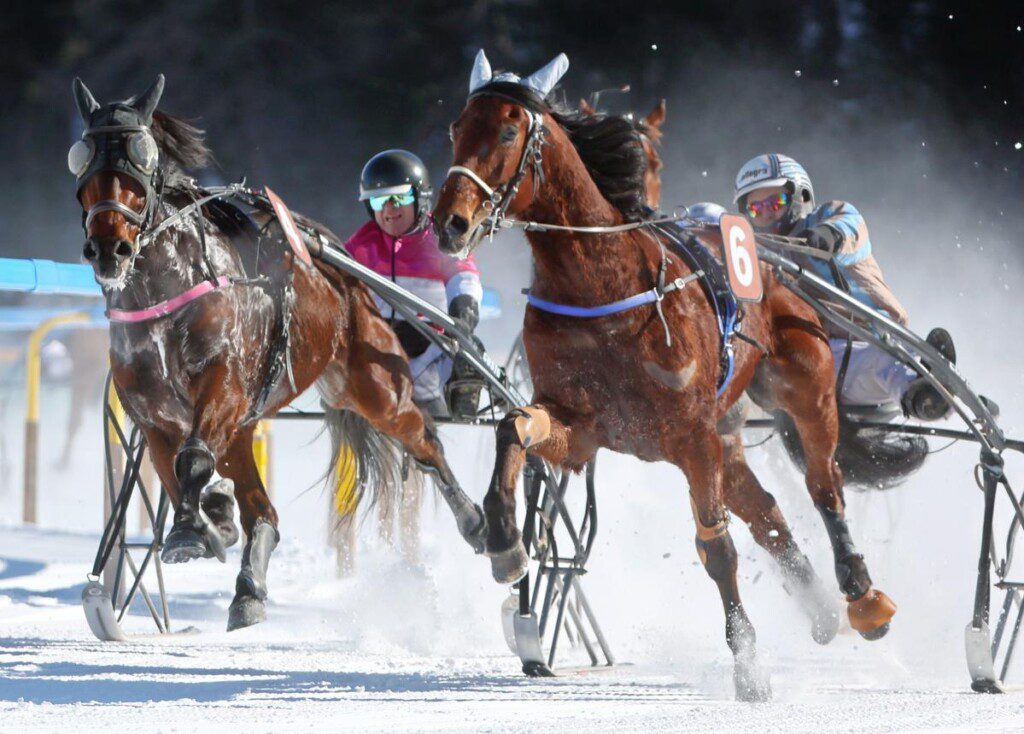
<point>531,428</point>
<point>699,455</point>
<point>203,524</point>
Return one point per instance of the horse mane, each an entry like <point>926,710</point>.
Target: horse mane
<point>180,142</point>
<point>613,154</point>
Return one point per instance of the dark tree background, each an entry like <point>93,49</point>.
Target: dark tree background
<point>901,105</point>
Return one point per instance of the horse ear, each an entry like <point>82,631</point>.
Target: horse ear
<point>87,104</point>
<point>481,73</point>
<point>147,102</point>
<point>657,116</point>
<point>544,79</point>
<point>585,107</point>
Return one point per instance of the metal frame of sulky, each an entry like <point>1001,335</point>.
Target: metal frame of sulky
<point>985,651</point>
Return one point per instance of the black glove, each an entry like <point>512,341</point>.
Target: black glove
<point>824,238</point>
<point>411,339</point>
<point>464,310</point>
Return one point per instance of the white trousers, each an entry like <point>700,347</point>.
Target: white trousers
<point>873,376</point>
<point>430,373</point>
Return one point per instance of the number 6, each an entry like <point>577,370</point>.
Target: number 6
<point>741,263</point>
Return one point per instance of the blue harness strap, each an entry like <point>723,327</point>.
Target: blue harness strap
<point>706,269</point>
<point>592,312</point>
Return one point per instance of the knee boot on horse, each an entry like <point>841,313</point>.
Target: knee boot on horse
<point>203,520</point>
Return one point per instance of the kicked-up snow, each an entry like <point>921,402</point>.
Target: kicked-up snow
<point>419,647</point>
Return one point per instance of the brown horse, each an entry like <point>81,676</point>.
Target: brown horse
<point>649,128</point>
<point>197,378</point>
<point>617,381</point>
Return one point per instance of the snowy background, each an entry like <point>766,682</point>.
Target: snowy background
<point>910,114</point>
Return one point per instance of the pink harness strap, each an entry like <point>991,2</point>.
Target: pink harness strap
<point>171,304</point>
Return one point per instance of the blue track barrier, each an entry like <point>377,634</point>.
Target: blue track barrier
<point>47,277</point>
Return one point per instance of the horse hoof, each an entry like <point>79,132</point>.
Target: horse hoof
<point>752,686</point>
<point>245,611</point>
<point>477,537</point>
<point>510,565</point>
<point>825,625</point>
<point>871,613</point>
<point>875,634</point>
<point>184,544</point>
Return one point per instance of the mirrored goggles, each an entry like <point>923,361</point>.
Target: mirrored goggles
<point>377,203</point>
<point>770,205</point>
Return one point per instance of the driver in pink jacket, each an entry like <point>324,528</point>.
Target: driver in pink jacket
<point>399,243</point>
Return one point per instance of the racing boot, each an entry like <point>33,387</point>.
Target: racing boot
<point>921,400</point>
<point>464,387</point>
<point>218,502</point>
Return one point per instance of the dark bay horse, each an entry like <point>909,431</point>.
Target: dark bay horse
<point>617,381</point>
<point>215,326</point>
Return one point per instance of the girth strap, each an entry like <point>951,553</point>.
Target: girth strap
<point>591,312</point>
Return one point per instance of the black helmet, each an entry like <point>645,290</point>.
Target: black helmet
<point>390,172</point>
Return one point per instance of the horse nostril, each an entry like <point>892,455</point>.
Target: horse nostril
<point>123,250</point>
<point>457,226</point>
<point>90,252</point>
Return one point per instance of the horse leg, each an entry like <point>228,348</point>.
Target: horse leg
<point>699,455</point>
<point>378,387</point>
<point>807,392</point>
<point>748,500</point>
<point>259,520</point>
<point>219,408</point>
<point>532,428</point>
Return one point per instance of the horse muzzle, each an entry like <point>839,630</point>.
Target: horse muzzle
<point>453,234</point>
<point>111,259</point>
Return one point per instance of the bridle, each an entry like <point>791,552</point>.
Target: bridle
<point>130,163</point>
<point>500,198</point>
<point>151,182</point>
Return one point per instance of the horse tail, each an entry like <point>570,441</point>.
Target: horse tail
<point>869,458</point>
<point>366,464</point>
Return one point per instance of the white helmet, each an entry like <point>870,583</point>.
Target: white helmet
<point>706,212</point>
<point>773,169</point>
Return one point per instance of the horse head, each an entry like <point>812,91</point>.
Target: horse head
<point>509,141</point>
<point>116,164</point>
<point>496,142</point>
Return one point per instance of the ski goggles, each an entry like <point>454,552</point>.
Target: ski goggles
<point>377,203</point>
<point>770,205</point>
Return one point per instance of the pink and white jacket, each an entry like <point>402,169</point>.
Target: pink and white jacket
<point>414,262</point>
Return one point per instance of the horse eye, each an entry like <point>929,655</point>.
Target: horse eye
<point>509,133</point>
